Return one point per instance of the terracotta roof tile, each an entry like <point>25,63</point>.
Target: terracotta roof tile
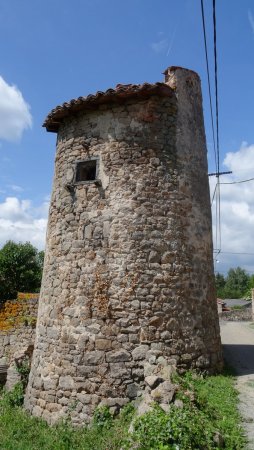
<point>119,94</point>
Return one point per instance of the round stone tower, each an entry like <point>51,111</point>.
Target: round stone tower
<point>128,276</point>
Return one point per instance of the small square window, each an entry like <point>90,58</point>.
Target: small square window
<point>86,171</point>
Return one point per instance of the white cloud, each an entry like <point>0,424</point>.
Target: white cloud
<point>15,116</point>
<point>237,210</point>
<point>15,188</point>
<point>20,221</point>
<point>160,46</point>
<point>251,20</point>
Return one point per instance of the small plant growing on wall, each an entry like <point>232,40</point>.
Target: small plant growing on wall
<point>23,368</point>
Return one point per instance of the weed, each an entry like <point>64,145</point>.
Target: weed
<point>209,410</point>
<point>127,411</point>
<point>102,417</point>
<point>23,368</point>
<point>13,398</point>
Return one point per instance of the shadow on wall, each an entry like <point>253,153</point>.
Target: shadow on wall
<point>3,373</point>
<point>240,358</point>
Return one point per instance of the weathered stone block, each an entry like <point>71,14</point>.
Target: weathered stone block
<point>103,344</point>
<point>118,356</point>
<point>66,382</point>
<point>164,393</point>
<point>94,357</point>
<point>140,352</point>
<point>153,381</point>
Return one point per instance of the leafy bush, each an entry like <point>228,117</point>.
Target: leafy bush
<point>15,397</point>
<point>235,285</point>
<point>102,417</point>
<point>186,428</point>
<point>20,269</point>
<point>127,412</point>
<point>20,431</point>
<point>23,368</point>
<point>209,409</point>
<point>218,399</point>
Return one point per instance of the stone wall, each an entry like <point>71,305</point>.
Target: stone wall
<point>128,285</point>
<point>17,333</point>
<point>235,315</point>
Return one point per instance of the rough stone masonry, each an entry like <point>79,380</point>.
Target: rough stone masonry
<point>128,281</point>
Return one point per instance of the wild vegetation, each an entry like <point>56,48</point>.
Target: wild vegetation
<point>237,284</point>
<point>205,418</point>
<point>20,269</point>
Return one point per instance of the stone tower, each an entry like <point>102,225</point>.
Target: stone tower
<point>128,275</point>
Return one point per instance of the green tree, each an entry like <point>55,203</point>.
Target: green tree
<point>237,283</point>
<point>220,284</point>
<point>20,269</point>
<point>251,283</point>
<point>248,293</point>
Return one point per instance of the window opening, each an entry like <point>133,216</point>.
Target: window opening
<point>86,170</point>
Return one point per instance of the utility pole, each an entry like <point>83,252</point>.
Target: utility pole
<point>217,175</point>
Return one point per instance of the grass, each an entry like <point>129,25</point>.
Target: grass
<point>209,415</point>
<point>218,399</point>
<point>19,431</point>
<point>209,410</point>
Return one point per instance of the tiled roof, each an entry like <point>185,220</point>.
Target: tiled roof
<point>119,94</point>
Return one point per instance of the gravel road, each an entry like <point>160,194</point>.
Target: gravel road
<point>238,346</point>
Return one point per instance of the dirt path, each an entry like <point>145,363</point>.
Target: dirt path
<point>238,345</point>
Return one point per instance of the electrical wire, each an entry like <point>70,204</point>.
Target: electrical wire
<point>214,192</point>
<point>219,213</point>
<point>218,198</point>
<point>209,83</point>
<point>216,84</point>
<point>217,219</point>
<point>234,253</point>
<point>238,182</point>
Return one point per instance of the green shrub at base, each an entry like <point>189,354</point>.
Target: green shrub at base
<point>209,410</point>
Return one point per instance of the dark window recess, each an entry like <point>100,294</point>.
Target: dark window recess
<point>86,171</point>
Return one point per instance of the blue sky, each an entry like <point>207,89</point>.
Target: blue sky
<point>52,51</point>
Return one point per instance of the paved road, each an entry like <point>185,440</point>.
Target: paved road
<point>236,302</point>
<point>238,346</point>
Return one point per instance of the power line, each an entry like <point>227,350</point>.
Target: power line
<point>218,202</point>
<point>218,219</point>
<point>214,194</point>
<point>219,214</point>
<point>219,173</point>
<point>208,79</point>
<point>234,253</point>
<point>216,146</point>
<point>238,182</point>
<point>216,85</point>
